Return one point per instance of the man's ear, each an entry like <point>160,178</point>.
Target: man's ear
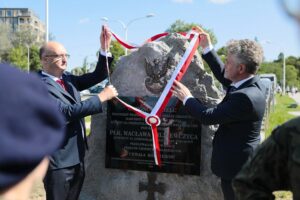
<point>242,68</point>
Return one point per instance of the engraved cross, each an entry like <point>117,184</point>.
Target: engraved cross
<point>152,187</point>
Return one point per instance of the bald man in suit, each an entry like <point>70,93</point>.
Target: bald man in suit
<point>66,172</point>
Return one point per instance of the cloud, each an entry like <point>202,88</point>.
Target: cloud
<point>220,1</point>
<point>84,21</point>
<point>183,1</point>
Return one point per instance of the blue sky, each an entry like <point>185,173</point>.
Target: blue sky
<point>76,24</point>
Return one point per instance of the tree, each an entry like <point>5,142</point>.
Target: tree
<point>273,68</point>
<point>17,57</point>
<point>5,42</point>
<point>292,78</point>
<point>77,71</point>
<point>13,47</point>
<point>297,65</point>
<point>24,36</point>
<point>222,52</point>
<point>292,60</point>
<point>276,68</point>
<point>280,57</point>
<point>35,63</point>
<point>117,50</point>
<point>85,65</point>
<point>181,26</point>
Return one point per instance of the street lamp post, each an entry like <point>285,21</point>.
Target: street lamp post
<point>125,26</point>
<point>47,23</point>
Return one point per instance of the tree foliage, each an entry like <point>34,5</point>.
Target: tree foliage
<point>271,68</point>
<point>77,71</point>
<point>276,67</point>
<point>292,60</point>
<point>292,78</point>
<point>24,36</point>
<point>292,73</point>
<point>85,65</point>
<point>181,26</point>
<point>117,50</point>
<point>35,62</point>
<point>14,47</point>
<point>17,56</point>
<point>5,42</point>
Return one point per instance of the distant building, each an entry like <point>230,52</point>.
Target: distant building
<point>18,17</point>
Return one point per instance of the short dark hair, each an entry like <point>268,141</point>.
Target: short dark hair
<point>42,51</point>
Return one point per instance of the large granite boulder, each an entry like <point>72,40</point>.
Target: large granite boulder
<point>135,76</point>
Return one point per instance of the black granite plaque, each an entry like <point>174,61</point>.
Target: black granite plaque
<point>129,138</point>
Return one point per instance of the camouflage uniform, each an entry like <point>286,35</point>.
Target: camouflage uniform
<point>275,165</point>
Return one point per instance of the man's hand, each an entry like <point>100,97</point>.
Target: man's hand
<point>204,37</point>
<point>105,38</point>
<point>180,91</point>
<point>108,93</point>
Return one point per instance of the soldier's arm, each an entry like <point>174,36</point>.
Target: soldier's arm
<point>266,171</point>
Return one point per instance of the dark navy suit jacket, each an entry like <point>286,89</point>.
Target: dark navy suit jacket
<point>73,149</point>
<point>239,116</point>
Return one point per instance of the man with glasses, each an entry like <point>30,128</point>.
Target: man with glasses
<point>66,173</point>
<point>275,165</point>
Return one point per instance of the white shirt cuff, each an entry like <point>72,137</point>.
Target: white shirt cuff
<point>207,49</point>
<point>103,53</point>
<point>186,98</point>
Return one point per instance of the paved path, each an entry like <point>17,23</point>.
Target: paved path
<point>296,97</point>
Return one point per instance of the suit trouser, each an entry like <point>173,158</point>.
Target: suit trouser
<point>227,189</point>
<point>64,184</point>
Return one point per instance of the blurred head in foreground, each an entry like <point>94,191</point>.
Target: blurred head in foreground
<point>31,128</point>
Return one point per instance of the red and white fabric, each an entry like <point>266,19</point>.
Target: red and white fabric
<point>153,118</point>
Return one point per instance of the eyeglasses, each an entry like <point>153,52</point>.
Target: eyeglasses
<point>58,55</point>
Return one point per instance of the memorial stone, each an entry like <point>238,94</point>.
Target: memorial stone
<point>129,139</point>
<point>144,73</point>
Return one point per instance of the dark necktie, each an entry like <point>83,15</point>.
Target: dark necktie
<point>231,89</point>
<point>61,83</point>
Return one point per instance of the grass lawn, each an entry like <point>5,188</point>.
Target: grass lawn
<point>277,117</point>
<point>281,112</point>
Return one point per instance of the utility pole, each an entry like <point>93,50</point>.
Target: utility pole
<point>47,23</point>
